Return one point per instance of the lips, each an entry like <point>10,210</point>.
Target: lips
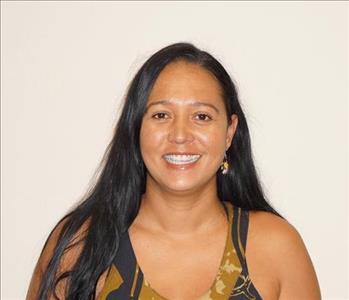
<point>181,161</point>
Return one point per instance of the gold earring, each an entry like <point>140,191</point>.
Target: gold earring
<point>225,165</point>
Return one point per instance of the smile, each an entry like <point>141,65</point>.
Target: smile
<point>181,159</point>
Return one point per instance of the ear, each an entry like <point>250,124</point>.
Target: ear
<point>231,130</point>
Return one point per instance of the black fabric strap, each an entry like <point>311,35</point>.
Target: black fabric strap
<point>125,262</point>
<point>244,220</point>
<point>239,233</point>
<point>234,232</point>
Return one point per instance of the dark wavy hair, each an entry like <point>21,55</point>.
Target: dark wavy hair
<point>112,203</point>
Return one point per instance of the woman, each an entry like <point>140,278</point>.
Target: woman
<point>178,211</point>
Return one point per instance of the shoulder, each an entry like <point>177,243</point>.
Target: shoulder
<point>280,242</point>
<point>271,229</point>
<point>276,236</point>
<point>67,260</point>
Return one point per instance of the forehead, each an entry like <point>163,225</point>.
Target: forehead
<point>186,81</point>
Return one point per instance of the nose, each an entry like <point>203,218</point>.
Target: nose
<point>180,132</point>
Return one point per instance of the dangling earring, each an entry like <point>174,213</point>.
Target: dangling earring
<point>225,165</point>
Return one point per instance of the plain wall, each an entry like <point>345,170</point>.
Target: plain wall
<point>65,68</point>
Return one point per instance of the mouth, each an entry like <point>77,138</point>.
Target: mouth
<point>181,159</point>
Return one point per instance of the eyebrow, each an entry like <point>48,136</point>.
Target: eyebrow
<point>194,103</point>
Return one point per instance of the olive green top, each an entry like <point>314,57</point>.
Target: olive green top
<point>126,280</point>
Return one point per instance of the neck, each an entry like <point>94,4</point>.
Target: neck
<point>181,214</point>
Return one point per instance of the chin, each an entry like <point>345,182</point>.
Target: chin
<point>180,185</point>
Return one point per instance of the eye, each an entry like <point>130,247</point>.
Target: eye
<point>204,117</point>
<point>160,115</point>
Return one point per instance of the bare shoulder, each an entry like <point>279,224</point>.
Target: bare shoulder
<point>288,260</point>
<point>264,224</point>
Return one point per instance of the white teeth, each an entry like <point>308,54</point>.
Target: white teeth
<point>181,159</point>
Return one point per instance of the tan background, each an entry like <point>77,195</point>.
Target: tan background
<point>66,66</point>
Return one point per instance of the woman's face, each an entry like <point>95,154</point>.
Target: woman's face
<point>184,132</point>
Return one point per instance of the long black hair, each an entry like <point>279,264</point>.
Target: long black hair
<point>111,205</point>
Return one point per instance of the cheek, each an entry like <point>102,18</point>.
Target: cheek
<point>213,139</point>
<point>150,138</point>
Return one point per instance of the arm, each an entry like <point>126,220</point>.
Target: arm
<point>296,272</point>
<point>279,259</point>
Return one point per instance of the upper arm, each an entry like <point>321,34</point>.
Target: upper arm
<point>297,274</point>
<point>68,259</point>
<point>289,258</point>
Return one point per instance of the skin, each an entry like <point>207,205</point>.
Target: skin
<point>181,222</point>
<point>179,126</point>
<point>180,214</point>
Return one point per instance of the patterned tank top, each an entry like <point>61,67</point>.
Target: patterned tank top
<point>125,279</point>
